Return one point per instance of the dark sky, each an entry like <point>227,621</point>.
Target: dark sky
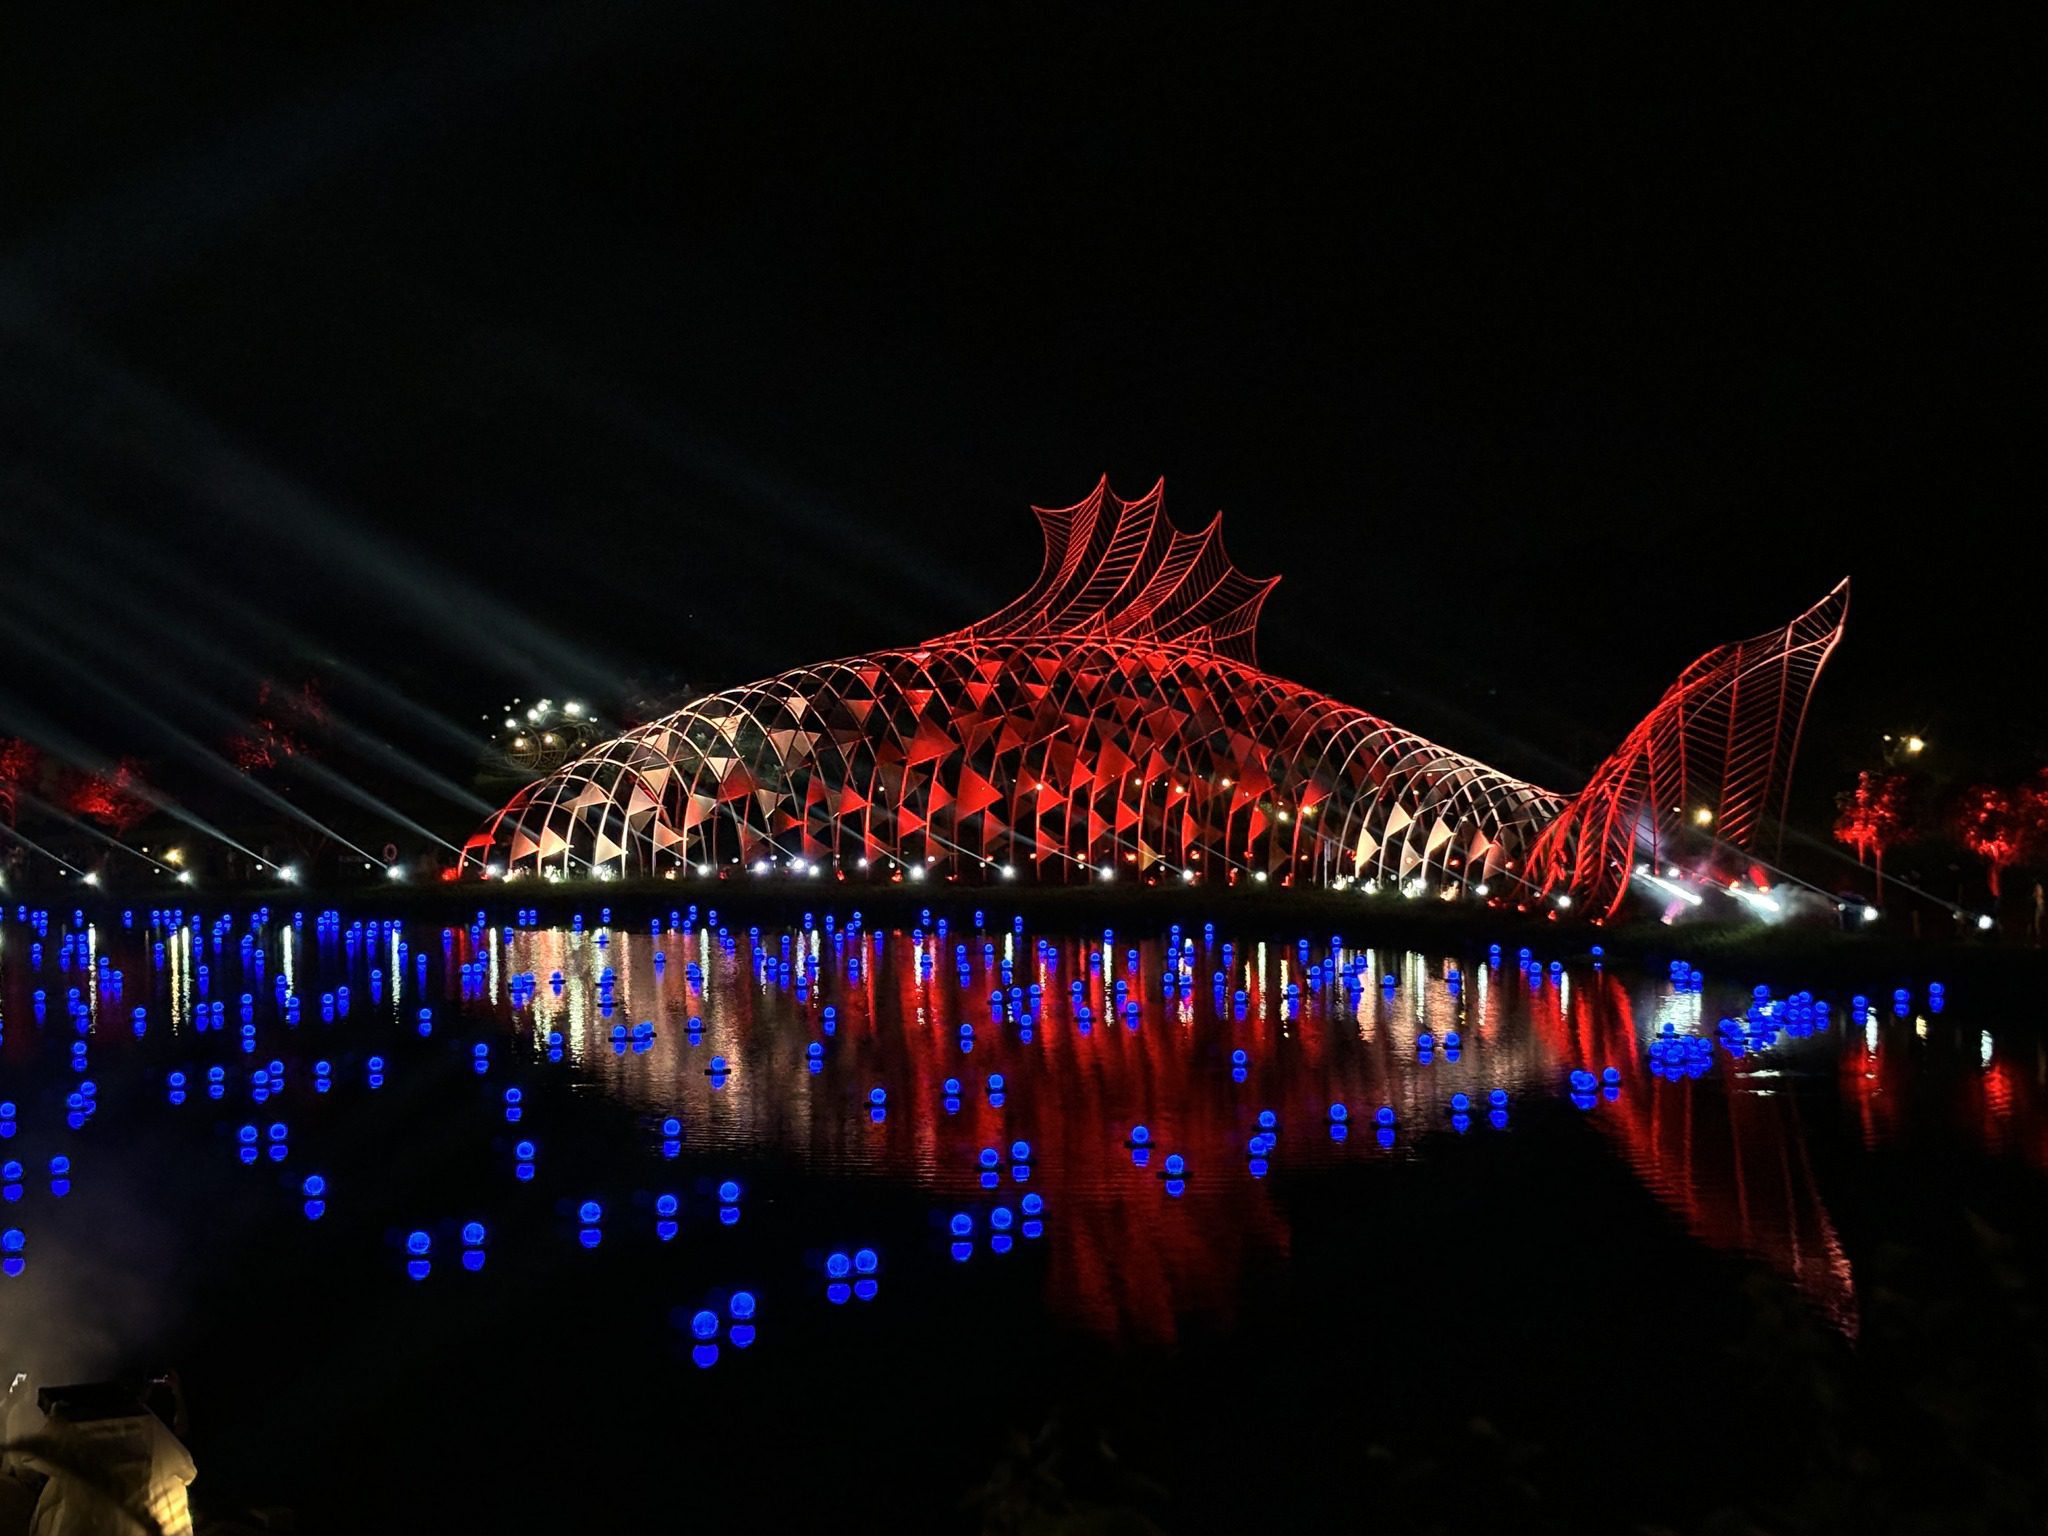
<point>507,349</point>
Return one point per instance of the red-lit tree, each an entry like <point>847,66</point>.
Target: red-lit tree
<point>20,764</point>
<point>113,797</point>
<point>1872,817</point>
<point>2000,826</point>
<point>277,726</point>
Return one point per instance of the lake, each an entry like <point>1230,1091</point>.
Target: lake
<point>947,1220</point>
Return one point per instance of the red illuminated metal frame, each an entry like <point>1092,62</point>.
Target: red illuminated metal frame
<point>1114,719</point>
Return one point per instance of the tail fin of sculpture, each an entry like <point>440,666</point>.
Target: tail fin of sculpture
<point>1721,741</point>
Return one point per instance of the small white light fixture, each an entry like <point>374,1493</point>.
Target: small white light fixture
<point>1870,914</point>
<point>1983,922</point>
<point>1564,903</point>
<point>288,873</point>
<point>92,877</point>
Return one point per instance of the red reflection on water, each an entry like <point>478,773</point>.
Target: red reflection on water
<point>1727,1158</point>
<point>1732,1165</point>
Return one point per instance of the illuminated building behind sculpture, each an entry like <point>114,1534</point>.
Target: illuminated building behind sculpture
<point>1114,721</point>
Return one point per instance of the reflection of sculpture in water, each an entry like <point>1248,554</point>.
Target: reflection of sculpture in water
<point>1730,1163</point>
<point>1123,1256</point>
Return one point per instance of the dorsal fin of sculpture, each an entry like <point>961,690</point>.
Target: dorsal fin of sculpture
<point>1117,569</point>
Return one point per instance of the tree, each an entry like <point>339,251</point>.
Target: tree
<point>1872,816</point>
<point>2003,826</point>
<point>278,726</point>
<point>20,764</point>
<point>114,797</point>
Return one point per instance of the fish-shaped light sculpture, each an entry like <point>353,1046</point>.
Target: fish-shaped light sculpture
<point>1113,721</point>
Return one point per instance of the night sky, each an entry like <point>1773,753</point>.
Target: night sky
<point>479,351</point>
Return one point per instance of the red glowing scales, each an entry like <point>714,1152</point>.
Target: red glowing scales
<point>1114,718</point>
